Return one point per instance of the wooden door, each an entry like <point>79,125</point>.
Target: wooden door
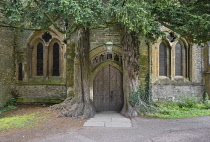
<point>108,89</point>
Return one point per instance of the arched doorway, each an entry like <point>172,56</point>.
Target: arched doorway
<point>108,89</point>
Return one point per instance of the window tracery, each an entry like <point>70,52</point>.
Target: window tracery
<point>174,59</point>
<point>102,57</point>
<point>46,55</point>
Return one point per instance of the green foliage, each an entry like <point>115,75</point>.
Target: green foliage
<point>206,101</point>
<point>189,18</point>
<point>141,99</point>
<point>187,107</point>
<point>187,102</point>
<point>180,113</point>
<point>142,94</point>
<point>11,104</point>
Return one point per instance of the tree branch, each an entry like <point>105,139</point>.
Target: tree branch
<point>16,27</point>
<point>51,20</point>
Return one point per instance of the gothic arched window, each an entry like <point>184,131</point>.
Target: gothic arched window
<point>39,59</point>
<point>46,55</point>
<point>162,59</point>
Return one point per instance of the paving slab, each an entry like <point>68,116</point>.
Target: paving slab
<point>94,124</point>
<point>108,119</point>
<point>122,120</point>
<point>118,124</point>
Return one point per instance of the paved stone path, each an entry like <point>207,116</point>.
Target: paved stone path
<point>196,129</point>
<point>108,119</point>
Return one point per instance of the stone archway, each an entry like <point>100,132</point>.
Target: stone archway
<point>108,89</point>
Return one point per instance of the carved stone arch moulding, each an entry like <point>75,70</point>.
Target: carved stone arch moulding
<point>99,56</point>
<point>53,33</point>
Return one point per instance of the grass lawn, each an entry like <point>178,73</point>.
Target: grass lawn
<point>174,110</point>
<point>23,121</point>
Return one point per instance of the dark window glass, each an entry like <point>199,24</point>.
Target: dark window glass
<point>39,64</point>
<point>46,36</point>
<point>109,56</point>
<point>162,60</point>
<point>56,60</point>
<point>116,57</point>
<point>20,71</point>
<point>178,60</point>
<point>102,57</point>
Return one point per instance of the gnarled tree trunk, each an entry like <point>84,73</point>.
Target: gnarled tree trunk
<point>130,45</point>
<point>81,105</point>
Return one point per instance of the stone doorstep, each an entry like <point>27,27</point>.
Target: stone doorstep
<point>107,124</point>
<point>122,120</point>
<point>100,120</point>
<point>108,119</point>
<point>118,124</point>
<point>94,124</point>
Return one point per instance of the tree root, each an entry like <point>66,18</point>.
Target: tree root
<point>129,111</point>
<point>71,108</point>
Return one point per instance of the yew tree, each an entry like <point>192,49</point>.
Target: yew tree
<point>189,18</point>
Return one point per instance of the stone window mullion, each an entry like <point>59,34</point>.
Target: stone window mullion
<point>187,62</point>
<point>47,71</point>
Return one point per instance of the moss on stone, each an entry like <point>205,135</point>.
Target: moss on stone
<point>44,81</point>
<point>51,100</point>
<point>70,53</point>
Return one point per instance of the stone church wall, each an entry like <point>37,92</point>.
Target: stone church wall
<point>176,88</point>
<point>34,89</point>
<point>6,63</point>
<point>14,50</point>
<point>40,93</point>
